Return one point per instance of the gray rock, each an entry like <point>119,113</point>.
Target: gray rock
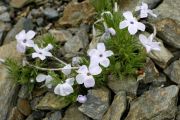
<point>61,35</point>
<point>2,32</point>
<point>50,13</point>
<point>8,88</point>
<point>55,116</point>
<point>130,5</point>
<point>23,92</point>
<point>15,114</point>
<point>97,103</point>
<point>72,113</point>
<point>5,17</point>
<point>173,71</point>
<point>3,9</point>
<point>117,107</point>
<point>168,9</point>
<point>36,13</point>
<point>19,26</point>
<point>52,102</point>
<point>178,114</point>
<point>129,84</point>
<point>162,57</point>
<point>40,21</point>
<point>24,106</point>
<point>157,104</point>
<point>36,115</point>
<point>77,43</point>
<point>20,3</point>
<point>168,30</point>
<point>34,102</point>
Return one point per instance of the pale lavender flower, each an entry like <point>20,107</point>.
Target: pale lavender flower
<point>47,78</point>
<point>42,53</point>
<point>24,40</point>
<point>132,23</point>
<point>67,69</point>
<point>65,88</point>
<point>148,43</point>
<point>81,98</point>
<point>144,10</point>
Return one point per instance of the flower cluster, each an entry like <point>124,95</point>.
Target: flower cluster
<point>98,57</point>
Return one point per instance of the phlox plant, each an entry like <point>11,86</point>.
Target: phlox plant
<point>116,52</point>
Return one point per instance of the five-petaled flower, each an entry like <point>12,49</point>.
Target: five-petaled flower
<point>99,56</point>
<point>24,40</point>
<point>148,43</point>
<point>46,78</point>
<point>132,23</point>
<point>85,75</point>
<point>65,88</point>
<point>144,10</point>
<point>42,53</point>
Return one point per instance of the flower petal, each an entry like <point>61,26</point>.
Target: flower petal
<point>92,52</point>
<point>20,48</point>
<point>21,36</point>
<point>57,89</point>
<point>95,69</point>
<point>70,81</point>
<point>89,82</point>
<point>105,62</point>
<point>128,15</point>
<point>41,78</point>
<point>66,89</point>
<point>141,26</point>
<point>108,53</point>
<point>67,69</point>
<point>132,29</point>
<point>29,43</point>
<point>80,78</point>
<point>48,47</point>
<point>123,24</point>
<point>83,69</point>
<point>112,31</point>
<point>81,98</point>
<point>101,47</point>
<point>30,35</point>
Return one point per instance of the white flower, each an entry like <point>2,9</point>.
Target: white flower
<point>85,76</point>
<point>100,55</point>
<point>46,78</point>
<point>132,23</point>
<point>148,43</point>
<point>65,88</point>
<point>81,98</point>
<point>24,40</point>
<point>108,33</point>
<point>144,11</point>
<point>42,53</point>
<point>67,69</point>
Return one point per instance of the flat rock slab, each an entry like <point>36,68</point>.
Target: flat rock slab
<point>173,71</point>
<point>97,103</point>
<point>157,104</point>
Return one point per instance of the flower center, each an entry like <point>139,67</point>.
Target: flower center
<point>101,55</point>
<point>131,22</point>
<point>24,41</point>
<point>88,74</point>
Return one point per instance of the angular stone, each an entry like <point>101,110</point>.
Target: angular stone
<point>157,104</point>
<point>8,88</point>
<point>55,116</point>
<point>52,102</point>
<point>22,24</point>
<point>162,57</point>
<point>20,3</point>
<point>130,5</point>
<point>50,13</point>
<point>169,31</point>
<point>168,9</point>
<point>15,115</point>
<point>23,92</point>
<point>78,42</point>
<point>61,35</point>
<point>117,107</point>
<point>5,17</point>
<point>129,84</point>
<point>72,113</point>
<point>36,115</point>
<point>24,106</point>
<point>97,103</point>
<point>173,71</point>
<point>76,13</point>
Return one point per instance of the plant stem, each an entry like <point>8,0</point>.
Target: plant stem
<point>62,62</point>
<point>2,60</point>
